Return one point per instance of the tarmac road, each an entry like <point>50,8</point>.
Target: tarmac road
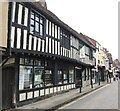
<point>103,98</point>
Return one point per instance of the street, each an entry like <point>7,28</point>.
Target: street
<point>103,98</point>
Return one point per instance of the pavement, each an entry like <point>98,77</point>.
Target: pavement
<point>56,101</point>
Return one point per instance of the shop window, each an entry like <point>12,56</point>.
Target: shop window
<point>25,77</point>
<point>28,62</point>
<point>29,77</point>
<point>60,78</point>
<point>38,77</point>
<point>71,76</point>
<point>38,63</point>
<point>22,61</point>
<point>48,78</point>
<point>65,76</point>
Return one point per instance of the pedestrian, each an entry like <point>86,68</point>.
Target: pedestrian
<point>114,78</point>
<point>117,77</point>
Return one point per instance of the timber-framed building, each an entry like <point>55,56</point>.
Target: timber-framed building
<point>41,55</point>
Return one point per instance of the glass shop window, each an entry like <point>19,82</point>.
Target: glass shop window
<point>38,77</point>
<point>22,61</point>
<point>71,76</point>
<point>48,78</point>
<point>28,62</point>
<point>60,78</point>
<point>38,63</point>
<point>25,77</point>
<point>65,76</point>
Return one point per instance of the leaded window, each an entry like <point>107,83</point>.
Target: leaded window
<point>90,54</point>
<point>65,39</point>
<point>37,24</point>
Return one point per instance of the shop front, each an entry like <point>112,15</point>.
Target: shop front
<point>40,78</point>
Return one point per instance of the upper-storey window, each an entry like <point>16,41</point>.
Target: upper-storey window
<point>37,24</point>
<point>90,54</point>
<point>65,39</point>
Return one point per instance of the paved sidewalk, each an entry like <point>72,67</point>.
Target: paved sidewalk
<point>56,101</point>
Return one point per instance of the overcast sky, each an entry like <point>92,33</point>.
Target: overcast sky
<point>97,19</point>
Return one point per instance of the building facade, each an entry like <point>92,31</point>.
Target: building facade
<point>41,55</point>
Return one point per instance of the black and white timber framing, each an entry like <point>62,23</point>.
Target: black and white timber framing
<point>42,44</point>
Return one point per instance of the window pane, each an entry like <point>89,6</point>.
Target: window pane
<point>38,77</point>
<point>32,15</point>
<point>36,26</point>
<point>41,20</point>
<point>32,30</point>
<point>60,79</point>
<point>71,76</point>
<point>28,62</point>
<point>41,30</point>
<point>32,22</point>
<point>48,78</point>
<point>37,18</point>
<point>37,63</point>
<point>25,77</point>
<point>21,60</point>
<point>65,73</point>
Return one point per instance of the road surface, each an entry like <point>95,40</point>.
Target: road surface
<point>103,98</point>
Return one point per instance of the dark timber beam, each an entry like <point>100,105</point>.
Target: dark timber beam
<point>55,73</point>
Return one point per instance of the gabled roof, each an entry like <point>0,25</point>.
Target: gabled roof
<point>53,17</point>
<point>90,40</point>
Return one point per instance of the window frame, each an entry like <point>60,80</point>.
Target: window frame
<point>65,39</point>
<point>39,33</point>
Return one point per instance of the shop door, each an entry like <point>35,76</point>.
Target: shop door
<point>78,78</point>
<point>8,75</point>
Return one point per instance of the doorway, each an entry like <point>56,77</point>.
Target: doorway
<point>78,78</point>
<point>8,79</point>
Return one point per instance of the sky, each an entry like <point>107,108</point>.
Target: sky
<point>97,19</point>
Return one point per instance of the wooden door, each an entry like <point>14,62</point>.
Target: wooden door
<point>8,75</point>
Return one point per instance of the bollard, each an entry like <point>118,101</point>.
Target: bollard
<point>107,78</point>
<point>99,81</point>
<point>91,84</point>
<point>80,86</point>
<point>110,79</point>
